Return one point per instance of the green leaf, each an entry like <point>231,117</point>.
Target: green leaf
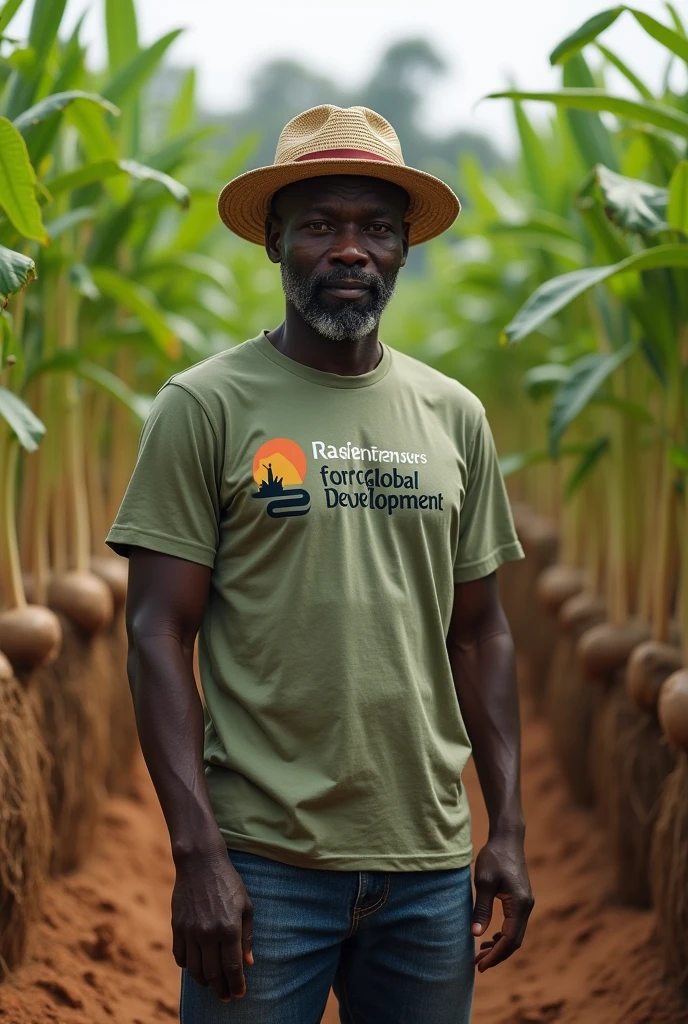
<point>95,136</point>
<point>658,114</point>
<point>56,104</point>
<point>70,220</point>
<point>585,378</point>
<point>7,12</point>
<point>45,23</point>
<point>533,154</point>
<point>137,403</point>
<point>23,423</point>
<point>632,204</point>
<point>554,295</point>
<point>668,37</point>
<point>17,184</point>
<point>590,30</point>
<point>182,110</point>
<point>88,174</point>
<point>139,301</point>
<point>626,72</point>
<point>587,463</point>
<point>80,276</point>
<point>678,24</point>
<point>142,173</point>
<point>122,33</point>
<point>72,361</point>
<point>632,410</point>
<point>679,457</point>
<point>514,462</point>
<point>677,210</point>
<point>16,272</point>
<point>594,141</point>
<point>542,380</point>
<point>135,73</point>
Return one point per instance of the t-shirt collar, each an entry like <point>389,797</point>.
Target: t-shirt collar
<point>328,380</point>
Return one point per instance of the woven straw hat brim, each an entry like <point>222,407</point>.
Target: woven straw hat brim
<point>244,202</point>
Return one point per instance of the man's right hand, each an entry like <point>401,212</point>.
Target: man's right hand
<point>212,922</point>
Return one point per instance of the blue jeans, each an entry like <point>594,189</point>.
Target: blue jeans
<point>397,948</point>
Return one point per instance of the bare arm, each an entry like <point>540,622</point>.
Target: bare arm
<point>483,663</point>
<point>211,912</point>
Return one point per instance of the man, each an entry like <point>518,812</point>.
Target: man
<point>329,513</point>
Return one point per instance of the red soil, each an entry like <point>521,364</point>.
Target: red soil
<point>102,950</point>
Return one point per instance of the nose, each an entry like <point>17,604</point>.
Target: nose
<point>347,251</point>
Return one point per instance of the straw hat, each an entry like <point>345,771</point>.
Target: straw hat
<point>337,140</point>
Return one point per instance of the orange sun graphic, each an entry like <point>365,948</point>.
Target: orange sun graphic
<point>287,459</point>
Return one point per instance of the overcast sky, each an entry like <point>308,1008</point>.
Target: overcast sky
<point>485,43</point>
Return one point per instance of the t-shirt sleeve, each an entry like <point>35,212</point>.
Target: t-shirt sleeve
<point>172,503</point>
<point>487,536</point>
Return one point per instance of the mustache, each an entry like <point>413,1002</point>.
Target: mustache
<point>333,277</point>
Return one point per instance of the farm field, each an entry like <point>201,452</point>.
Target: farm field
<point>101,952</point>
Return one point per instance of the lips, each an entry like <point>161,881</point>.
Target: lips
<point>347,289</point>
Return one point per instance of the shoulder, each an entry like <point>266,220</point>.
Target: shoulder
<point>211,383</point>
<point>444,394</point>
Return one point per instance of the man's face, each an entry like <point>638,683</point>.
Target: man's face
<point>340,241</point>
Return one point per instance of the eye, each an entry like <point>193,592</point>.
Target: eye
<point>319,226</point>
<point>380,229</point>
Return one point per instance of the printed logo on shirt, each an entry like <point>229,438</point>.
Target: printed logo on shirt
<point>280,463</point>
<point>277,466</point>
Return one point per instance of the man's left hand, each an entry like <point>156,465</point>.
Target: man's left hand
<point>501,873</point>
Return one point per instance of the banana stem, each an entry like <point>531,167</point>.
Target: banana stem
<point>17,597</point>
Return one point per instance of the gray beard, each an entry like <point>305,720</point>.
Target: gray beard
<point>346,323</point>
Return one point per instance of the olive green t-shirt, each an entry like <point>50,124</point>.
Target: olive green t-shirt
<point>336,514</point>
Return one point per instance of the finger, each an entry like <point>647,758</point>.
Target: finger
<point>212,969</point>
<point>179,949</point>
<point>194,963</point>
<point>501,951</point>
<point>232,966</point>
<point>485,893</point>
<point>247,935</point>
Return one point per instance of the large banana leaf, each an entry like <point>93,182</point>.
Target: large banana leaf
<point>668,37</point>
<point>554,295</point>
<point>677,211</point>
<point>141,302</point>
<point>136,72</point>
<point>23,423</point>
<point>16,271</point>
<point>584,379</point>
<point>633,204</point>
<point>18,184</point>
<point>657,114</point>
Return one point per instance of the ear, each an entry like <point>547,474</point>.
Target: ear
<point>273,237</point>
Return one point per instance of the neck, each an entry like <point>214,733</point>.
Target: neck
<point>300,342</point>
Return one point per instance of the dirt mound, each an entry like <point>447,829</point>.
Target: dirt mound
<point>102,950</point>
